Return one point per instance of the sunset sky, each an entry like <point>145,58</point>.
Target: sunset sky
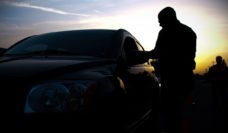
<point>208,18</point>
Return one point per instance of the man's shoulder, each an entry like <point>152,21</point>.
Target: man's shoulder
<point>185,26</point>
<point>187,29</point>
<point>212,67</point>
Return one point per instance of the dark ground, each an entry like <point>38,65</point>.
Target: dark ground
<point>207,115</point>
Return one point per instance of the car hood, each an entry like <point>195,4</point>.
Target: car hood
<point>14,67</point>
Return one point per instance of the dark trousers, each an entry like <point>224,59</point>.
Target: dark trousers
<point>175,91</point>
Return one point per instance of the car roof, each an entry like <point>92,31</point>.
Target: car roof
<point>81,31</point>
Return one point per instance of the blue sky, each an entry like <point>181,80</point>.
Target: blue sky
<point>208,18</point>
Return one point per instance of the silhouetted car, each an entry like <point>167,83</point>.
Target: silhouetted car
<point>85,76</point>
<point>2,50</point>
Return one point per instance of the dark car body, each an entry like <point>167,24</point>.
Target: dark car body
<point>2,50</point>
<point>83,76</point>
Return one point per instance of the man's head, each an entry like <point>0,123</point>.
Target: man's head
<point>167,17</point>
<point>219,60</point>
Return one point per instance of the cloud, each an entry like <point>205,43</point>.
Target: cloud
<point>97,11</point>
<point>45,9</point>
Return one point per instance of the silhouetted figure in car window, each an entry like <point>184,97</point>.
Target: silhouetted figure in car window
<point>218,76</point>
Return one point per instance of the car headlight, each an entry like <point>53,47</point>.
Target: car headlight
<point>57,97</point>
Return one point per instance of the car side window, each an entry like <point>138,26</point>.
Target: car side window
<point>129,45</point>
<point>140,48</point>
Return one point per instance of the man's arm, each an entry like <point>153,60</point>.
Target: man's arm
<point>138,57</point>
<point>154,53</point>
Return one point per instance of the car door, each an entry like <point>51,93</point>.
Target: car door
<point>140,82</point>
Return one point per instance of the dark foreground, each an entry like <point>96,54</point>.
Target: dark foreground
<point>208,113</point>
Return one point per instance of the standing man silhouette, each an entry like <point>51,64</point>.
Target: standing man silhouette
<point>218,75</point>
<point>175,50</point>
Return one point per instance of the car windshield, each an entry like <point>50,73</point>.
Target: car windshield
<point>97,43</point>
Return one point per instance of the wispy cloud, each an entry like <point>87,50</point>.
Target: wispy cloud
<point>45,9</point>
<point>97,11</point>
